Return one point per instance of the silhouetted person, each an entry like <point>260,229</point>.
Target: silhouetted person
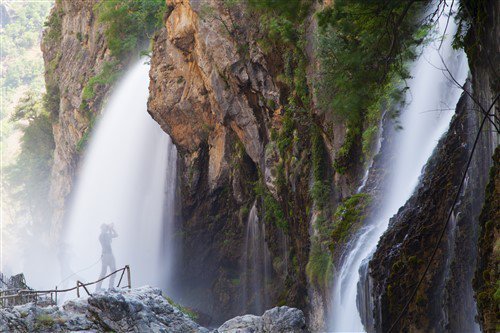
<point>108,259</point>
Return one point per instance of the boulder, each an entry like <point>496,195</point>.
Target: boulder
<point>143,309</point>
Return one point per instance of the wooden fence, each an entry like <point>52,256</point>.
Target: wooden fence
<point>12,297</point>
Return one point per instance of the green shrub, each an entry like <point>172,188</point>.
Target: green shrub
<point>44,321</point>
<point>273,213</point>
<point>363,48</point>
<point>345,157</point>
<point>108,75</point>
<point>82,143</point>
<point>187,311</point>
<point>53,25</point>
<point>360,43</point>
<point>29,176</point>
<point>128,22</point>
<point>319,268</point>
<point>349,214</point>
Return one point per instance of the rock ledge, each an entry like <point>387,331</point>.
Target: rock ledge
<point>142,309</point>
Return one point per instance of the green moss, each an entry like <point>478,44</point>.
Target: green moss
<point>128,22</point>
<point>345,157</point>
<point>285,137</point>
<point>348,215</point>
<point>320,191</point>
<point>44,321</point>
<point>273,213</point>
<point>187,311</point>
<point>319,268</point>
<point>362,61</point>
<point>496,295</point>
<point>53,25</point>
<point>108,75</point>
<point>82,143</point>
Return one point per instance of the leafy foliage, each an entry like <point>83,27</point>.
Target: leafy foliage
<point>19,40</point>
<point>53,25</point>
<point>363,47</point>
<point>283,26</point>
<point>108,75</point>
<point>273,213</point>
<point>187,311</point>
<point>320,191</point>
<point>27,167</point>
<point>471,18</point>
<point>28,177</point>
<point>128,22</point>
<point>349,214</point>
<point>360,43</point>
<point>319,268</point>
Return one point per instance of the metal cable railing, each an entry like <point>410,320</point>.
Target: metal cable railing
<point>11,297</point>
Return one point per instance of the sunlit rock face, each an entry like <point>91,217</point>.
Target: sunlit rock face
<point>214,101</point>
<point>73,51</point>
<point>202,88</point>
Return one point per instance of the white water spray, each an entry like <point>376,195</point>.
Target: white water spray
<point>256,265</point>
<point>128,179</point>
<point>431,99</point>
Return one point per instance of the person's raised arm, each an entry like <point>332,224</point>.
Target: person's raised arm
<point>112,232</point>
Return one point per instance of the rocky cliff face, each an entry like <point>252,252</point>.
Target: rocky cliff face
<point>214,102</point>
<point>74,50</point>
<point>445,298</point>
<point>442,302</point>
<point>487,272</point>
<point>219,96</point>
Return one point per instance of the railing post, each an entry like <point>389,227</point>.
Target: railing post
<point>128,277</point>
<point>77,289</point>
<point>56,295</point>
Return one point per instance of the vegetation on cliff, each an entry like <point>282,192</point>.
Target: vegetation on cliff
<point>127,25</point>
<point>487,279</point>
<point>26,123</point>
<point>28,177</point>
<point>363,48</point>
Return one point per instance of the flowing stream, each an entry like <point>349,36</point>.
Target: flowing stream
<point>256,265</point>
<point>128,178</point>
<point>430,103</point>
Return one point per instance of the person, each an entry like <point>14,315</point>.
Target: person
<point>107,259</point>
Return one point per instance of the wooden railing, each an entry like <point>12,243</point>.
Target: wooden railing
<point>11,297</point>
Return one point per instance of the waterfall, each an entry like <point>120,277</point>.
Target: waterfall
<point>128,178</point>
<point>426,116</point>
<point>256,265</point>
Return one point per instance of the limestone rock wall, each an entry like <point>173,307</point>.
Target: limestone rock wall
<point>216,92</point>
<point>74,49</point>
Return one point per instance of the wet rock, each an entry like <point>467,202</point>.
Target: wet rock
<point>277,320</point>
<point>444,300</point>
<point>138,310</point>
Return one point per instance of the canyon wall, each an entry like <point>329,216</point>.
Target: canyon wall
<point>445,299</point>
<point>74,50</point>
<point>219,95</point>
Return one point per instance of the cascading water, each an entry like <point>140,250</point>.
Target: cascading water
<point>256,265</point>
<point>430,99</point>
<point>128,178</point>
